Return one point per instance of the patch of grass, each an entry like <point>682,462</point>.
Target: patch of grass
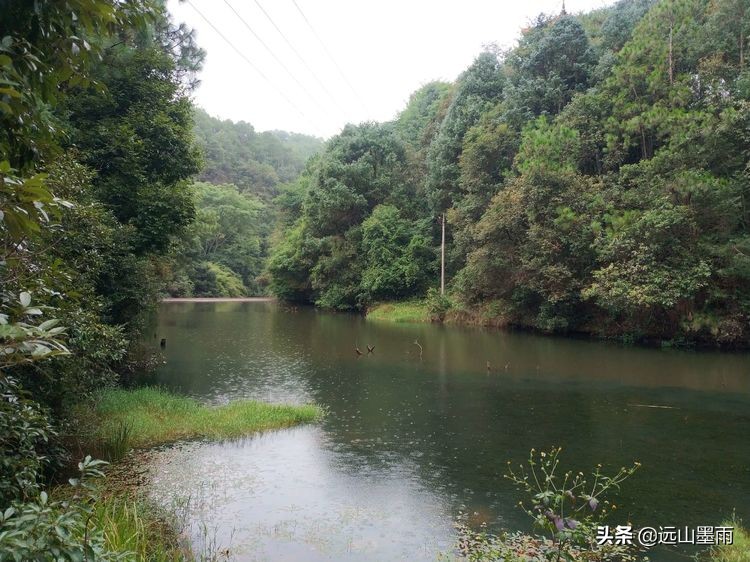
<point>133,524</point>
<point>408,311</point>
<point>117,442</point>
<point>149,416</point>
<point>738,551</point>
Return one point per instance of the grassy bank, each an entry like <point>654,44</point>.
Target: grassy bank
<point>421,311</point>
<point>408,311</point>
<point>144,417</point>
<point>132,524</point>
<point>738,551</point>
<point>118,420</point>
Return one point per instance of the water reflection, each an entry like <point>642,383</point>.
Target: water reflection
<point>284,496</point>
<point>408,442</point>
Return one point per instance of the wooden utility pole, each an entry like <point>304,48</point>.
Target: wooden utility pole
<point>671,48</point>
<point>442,260</point>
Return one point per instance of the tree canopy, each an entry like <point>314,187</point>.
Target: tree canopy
<point>594,177</point>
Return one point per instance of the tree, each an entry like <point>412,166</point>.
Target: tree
<point>399,259</point>
<point>257,163</point>
<point>138,138</point>
<point>552,62</point>
<point>477,89</point>
<point>231,236</point>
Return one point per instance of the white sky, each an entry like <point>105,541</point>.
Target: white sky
<point>385,48</point>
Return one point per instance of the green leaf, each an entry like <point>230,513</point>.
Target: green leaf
<point>25,299</point>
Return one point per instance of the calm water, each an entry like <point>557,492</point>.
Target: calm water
<point>407,443</point>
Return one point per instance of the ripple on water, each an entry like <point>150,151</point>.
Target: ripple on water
<point>286,495</point>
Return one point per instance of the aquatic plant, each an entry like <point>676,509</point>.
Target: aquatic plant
<point>149,416</point>
<point>567,506</point>
<point>738,551</point>
<point>117,441</point>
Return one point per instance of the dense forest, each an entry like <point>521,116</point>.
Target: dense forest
<point>255,162</point>
<point>223,252</point>
<point>594,178</point>
<point>97,160</point>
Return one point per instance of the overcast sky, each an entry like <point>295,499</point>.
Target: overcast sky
<point>385,50</point>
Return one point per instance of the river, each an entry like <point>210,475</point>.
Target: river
<point>410,442</point>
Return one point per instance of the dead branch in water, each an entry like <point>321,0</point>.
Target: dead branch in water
<point>420,348</point>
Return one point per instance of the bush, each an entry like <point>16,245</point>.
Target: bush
<point>566,507</point>
<point>57,531</point>
<point>216,280</point>
<point>26,443</point>
<point>438,305</point>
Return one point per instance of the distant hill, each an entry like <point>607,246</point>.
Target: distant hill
<point>255,162</point>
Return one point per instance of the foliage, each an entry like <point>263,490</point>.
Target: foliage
<point>356,209</point>
<point>138,140</point>
<point>211,279</point>
<point>43,529</point>
<point>476,91</point>
<point>400,261</point>
<point>223,252</point>
<point>290,264</point>
<point>95,148</point>
<point>738,551</point>
<point>593,178</point>
<point>257,163</point>
<point>437,305</point>
<point>243,193</point>
<point>567,506</point>
<point>26,443</point>
<point>404,311</point>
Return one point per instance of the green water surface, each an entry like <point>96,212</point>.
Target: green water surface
<point>409,443</point>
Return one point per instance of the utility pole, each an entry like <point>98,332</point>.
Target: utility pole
<point>442,261</point>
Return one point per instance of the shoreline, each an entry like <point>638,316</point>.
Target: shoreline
<point>417,312</point>
<point>218,299</point>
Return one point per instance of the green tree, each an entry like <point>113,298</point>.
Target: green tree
<point>230,232</point>
<point>399,260</point>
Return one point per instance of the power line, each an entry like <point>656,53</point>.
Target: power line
<point>249,62</point>
<point>299,56</point>
<point>277,59</point>
<point>330,56</point>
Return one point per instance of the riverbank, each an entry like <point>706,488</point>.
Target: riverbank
<point>118,420</point>
<point>407,311</point>
<point>491,315</point>
<point>422,311</point>
<point>218,299</point>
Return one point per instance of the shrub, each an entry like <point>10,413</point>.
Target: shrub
<point>438,305</point>
<point>59,531</point>
<point>26,437</point>
<point>566,507</point>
